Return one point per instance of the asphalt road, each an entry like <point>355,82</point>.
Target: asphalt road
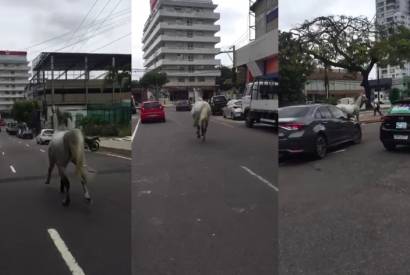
<point>195,209</point>
<point>97,235</point>
<point>347,213</point>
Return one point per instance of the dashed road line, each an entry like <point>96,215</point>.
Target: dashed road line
<point>260,178</point>
<point>42,150</point>
<point>27,145</point>
<point>3,153</point>
<point>339,151</point>
<point>12,169</point>
<point>65,253</point>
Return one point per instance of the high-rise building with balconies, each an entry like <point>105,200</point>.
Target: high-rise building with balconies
<point>393,13</point>
<point>14,75</point>
<point>179,39</point>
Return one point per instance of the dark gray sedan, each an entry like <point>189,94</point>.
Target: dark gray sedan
<point>314,128</point>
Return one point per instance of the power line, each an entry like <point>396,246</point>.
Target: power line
<point>98,15</point>
<point>82,21</point>
<point>118,15</point>
<point>112,42</point>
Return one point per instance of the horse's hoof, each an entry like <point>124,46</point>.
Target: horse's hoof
<point>66,202</point>
<point>47,182</point>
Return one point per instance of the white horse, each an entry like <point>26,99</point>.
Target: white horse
<point>353,109</point>
<point>201,113</point>
<point>66,147</point>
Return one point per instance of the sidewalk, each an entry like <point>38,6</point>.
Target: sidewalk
<point>120,146</point>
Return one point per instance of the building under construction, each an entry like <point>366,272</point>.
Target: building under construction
<point>77,82</point>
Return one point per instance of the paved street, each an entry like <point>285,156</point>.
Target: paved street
<point>347,213</point>
<point>204,208</point>
<point>98,236</point>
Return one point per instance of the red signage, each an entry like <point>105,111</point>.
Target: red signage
<point>153,4</point>
<point>13,53</point>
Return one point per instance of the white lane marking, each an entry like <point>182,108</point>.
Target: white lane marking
<point>65,253</point>
<point>135,130</point>
<point>19,142</point>
<point>12,169</point>
<point>116,156</point>
<point>260,178</point>
<point>339,151</point>
<point>3,153</point>
<point>42,151</point>
<point>27,145</point>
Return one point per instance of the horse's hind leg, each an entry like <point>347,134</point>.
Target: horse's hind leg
<point>204,126</point>
<point>50,170</point>
<point>85,189</point>
<point>65,187</point>
<point>198,133</point>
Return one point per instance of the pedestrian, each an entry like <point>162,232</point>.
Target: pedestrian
<point>377,108</point>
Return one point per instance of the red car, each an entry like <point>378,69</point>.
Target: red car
<point>152,111</point>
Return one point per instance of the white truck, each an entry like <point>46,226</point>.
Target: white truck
<point>260,102</point>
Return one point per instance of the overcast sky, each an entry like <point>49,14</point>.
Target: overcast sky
<point>27,22</point>
<point>233,22</point>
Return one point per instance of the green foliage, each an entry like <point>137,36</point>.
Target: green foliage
<point>22,110</point>
<point>295,66</point>
<point>119,77</point>
<point>350,43</point>
<point>394,95</point>
<point>225,81</point>
<point>153,80</point>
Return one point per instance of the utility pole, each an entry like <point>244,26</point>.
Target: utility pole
<point>234,65</point>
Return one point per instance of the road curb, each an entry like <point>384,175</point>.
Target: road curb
<point>370,121</point>
<point>121,152</point>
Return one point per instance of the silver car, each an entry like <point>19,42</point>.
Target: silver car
<point>45,136</point>
<point>233,109</point>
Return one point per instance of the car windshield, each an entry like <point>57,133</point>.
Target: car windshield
<point>48,132</point>
<point>296,111</point>
<point>182,102</point>
<point>401,108</point>
<point>151,105</point>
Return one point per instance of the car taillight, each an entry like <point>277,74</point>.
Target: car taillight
<point>387,118</point>
<point>294,126</point>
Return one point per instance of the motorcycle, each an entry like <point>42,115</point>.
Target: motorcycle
<point>93,143</point>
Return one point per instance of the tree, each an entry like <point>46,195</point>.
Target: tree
<point>225,81</point>
<point>295,66</point>
<point>154,80</point>
<point>22,111</point>
<point>394,95</point>
<point>353,43</point>
<point>118,77</point>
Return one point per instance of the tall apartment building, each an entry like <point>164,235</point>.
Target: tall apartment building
<point>179,39</point>
<point>260,57</point>
<point>14,75</point>
<point>393,12</point>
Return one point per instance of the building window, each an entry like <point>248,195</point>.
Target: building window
<point>192,79</point>
<point>181,79</point>
<point>201,79</point>
<point>190,34</point>
<point>191,69</point>
<point>190,57</point>
<point>190,45</point>
<point>189,22</point>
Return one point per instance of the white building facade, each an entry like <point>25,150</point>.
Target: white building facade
<point>393,12</point>
<point>179,39</point>
<point>14,77</point>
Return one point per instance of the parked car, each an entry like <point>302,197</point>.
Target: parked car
<point>183,105</point>
<point>11,128</point>
<point>233,109</point>
<point>395,128</point>
<point>45,136</point>
<point>217,103</point>
<point>152,111</point>
<point>314,128</point>
<point>24,131</point>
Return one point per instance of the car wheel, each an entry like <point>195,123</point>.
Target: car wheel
<point>248,120</point>
<point>389,146</point>
<point>320,146</point>
<point>358,136</point>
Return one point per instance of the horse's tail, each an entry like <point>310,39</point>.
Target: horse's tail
<point>75,142</point>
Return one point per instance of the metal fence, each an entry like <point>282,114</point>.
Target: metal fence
<point>113,114</point>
